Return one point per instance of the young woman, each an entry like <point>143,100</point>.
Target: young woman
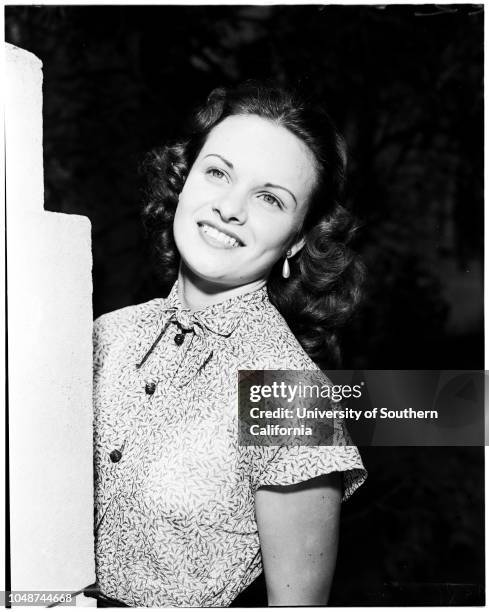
<point>246,217</point>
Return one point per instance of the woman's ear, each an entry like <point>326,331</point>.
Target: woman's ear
<point>297,246</point>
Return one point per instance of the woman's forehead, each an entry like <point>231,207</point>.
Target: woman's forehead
<point>257,146</point>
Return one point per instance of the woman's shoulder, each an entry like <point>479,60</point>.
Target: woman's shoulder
<point>124,321</point>
<point>274,345</point>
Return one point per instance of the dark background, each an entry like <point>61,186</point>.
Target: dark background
<point>405,86</point>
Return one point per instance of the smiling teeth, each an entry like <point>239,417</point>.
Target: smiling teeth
<point>220,236</point>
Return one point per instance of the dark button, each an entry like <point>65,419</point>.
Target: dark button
<point>179,338</point>
<point>150,388</point>
<point>115,456</point>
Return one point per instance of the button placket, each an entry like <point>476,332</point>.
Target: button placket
<point>153,379</point>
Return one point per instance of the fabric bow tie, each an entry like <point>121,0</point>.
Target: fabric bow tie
<point>222,324</point>
<point>221,318</point>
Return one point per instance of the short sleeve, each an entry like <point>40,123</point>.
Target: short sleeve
<point>295,463</point>
<point>291,465</point>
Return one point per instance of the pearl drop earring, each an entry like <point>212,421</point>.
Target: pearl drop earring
<point>286,267</point>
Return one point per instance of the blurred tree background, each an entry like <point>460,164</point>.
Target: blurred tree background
<point>405,86</point>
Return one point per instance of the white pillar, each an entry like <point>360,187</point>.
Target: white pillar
<point>49,358</point>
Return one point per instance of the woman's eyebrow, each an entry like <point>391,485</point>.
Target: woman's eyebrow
<point>231,167</point>
<point>228,163</point>
<point>284,188</point>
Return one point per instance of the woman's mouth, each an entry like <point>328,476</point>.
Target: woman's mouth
<point>215,237</point>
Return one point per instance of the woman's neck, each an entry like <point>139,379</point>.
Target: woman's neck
<point>196,293</point>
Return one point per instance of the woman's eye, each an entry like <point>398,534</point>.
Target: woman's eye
<point>271,199</point>
<point>216,173</point>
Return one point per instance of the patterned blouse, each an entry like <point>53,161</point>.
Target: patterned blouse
<point>174,492</point>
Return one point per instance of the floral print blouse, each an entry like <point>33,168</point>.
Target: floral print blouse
<point>174,492</point>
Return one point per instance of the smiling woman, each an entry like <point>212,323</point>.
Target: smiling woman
<point>254,211</point>
<point>246,218</point>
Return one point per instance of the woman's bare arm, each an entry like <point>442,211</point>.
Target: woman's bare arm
<point>298,527</point>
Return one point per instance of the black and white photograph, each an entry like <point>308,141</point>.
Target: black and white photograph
<point>226,226</point>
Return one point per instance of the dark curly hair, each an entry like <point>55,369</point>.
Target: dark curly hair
<point>324,286</point>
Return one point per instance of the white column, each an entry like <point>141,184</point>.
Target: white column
<point>49,358</point>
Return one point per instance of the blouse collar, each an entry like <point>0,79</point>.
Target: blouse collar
<point>221,318</point>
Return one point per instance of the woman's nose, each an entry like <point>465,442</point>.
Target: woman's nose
<point>232,209</point>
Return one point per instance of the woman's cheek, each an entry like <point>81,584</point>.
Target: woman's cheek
<point>272,233</point>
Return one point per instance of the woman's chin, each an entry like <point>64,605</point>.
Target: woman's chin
<point>200,272</point>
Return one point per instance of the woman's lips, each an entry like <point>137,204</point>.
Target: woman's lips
<point>215,237</point>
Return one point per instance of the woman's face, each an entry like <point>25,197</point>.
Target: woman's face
<point>244,201</point>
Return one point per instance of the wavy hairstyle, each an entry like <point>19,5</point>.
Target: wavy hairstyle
<point>324,286</point>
